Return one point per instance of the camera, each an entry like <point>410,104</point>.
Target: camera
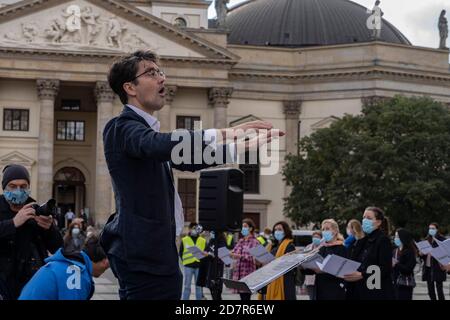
<point>46,209</point>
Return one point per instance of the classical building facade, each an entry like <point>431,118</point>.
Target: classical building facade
<point>296,63</point>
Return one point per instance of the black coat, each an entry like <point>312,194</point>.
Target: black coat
<point>22,250</point>
<point>142,232</point>
<point>353,251</point>
<point>329,287</point>
<point>374,250</point>
<point>405,265</point>
<point>433,273</point>
<point>289,278</point>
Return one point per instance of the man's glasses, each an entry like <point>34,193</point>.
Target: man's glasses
<point>152,73</point>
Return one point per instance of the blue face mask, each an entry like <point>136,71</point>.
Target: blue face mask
<point>213,235</point>
<point>18,196</point>
<point>397,242</point>
<point>316,241</point>
<point>432,232</point>
<point>279,235</point>
<point>327,235</point>
<point>245,231</point>
<point>367,226</point>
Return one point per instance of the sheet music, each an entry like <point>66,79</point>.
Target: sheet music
<point>273,270</point>
<point>196,252</point>
<point>261,254</point>
<point>224,255</point>
<point>338,266</point>
<point>424,247</point>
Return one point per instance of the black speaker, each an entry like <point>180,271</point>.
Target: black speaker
<point>221,199</point>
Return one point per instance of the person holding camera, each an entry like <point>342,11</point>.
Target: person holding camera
<point>25,237</point>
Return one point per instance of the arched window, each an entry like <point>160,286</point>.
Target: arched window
<point>180,22</point>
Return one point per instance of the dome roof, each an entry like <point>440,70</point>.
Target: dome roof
<point>301,23</point>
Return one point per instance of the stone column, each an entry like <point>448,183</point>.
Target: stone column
<point>219,98</point>
<point>103,189</point>
<point>47,91</point>
<point>292,111</point>
<point>164,113</point>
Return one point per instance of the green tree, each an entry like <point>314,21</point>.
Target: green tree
<point>394,155</point>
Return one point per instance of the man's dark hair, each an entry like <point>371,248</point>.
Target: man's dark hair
<point>93,249</point>
<point>124,70</point>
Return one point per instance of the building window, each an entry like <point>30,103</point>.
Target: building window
<point>16,119</point>
<point>68,130</point>
<point>186,122</point>
<point>70,105</point>
<point>187,189</point>
<point>251,173</point>
<point>180,22</point>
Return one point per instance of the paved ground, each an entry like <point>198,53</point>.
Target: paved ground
<point>106,288</point>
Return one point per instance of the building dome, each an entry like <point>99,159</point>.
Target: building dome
<point>303,23</point>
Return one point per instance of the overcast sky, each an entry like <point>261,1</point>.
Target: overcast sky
<point>416,19</point>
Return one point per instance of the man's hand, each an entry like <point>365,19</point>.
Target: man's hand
<point>44,222</point>
<point>261,139</point>
<point>239,131</point>
<point>352,277</point>
<point>24,214</point>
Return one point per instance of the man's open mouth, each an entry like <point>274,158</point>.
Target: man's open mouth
<point>162,91</point>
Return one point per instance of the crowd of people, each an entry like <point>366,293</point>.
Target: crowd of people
<point>370,242</point>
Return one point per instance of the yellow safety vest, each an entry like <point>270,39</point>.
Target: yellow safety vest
<point>229,240</point>
<point>262,240</point>
<point>188,258</point>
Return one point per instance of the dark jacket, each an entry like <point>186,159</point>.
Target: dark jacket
<point>375,250</point>
<point>329,287</point>
<point>433,273</point>
<point>289,278</point>
<point>22,250</point>
<point>142,232</point>
<point>208,272</point>
<point>352,252</point>
<point>406,263</point>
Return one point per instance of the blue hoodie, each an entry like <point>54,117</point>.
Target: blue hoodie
<point>61,279</point>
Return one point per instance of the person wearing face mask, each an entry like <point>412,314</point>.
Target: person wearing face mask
<point>25,239</point>
<point>403,262</point>
<point>191,264</point>
<point>282,288</point>
<point>329,287</point>
<point>432,271</point>
<point>244,261</point>
<point>352,243</point>
<point>310,275</point>
<point>375,250</point>
<point>74,238</point>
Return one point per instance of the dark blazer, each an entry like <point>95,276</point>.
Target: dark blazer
<point>374,250</point>
<point>329,287</point>
<point>142,232</point>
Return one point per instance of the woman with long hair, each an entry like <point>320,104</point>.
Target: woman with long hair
<point>282,288</point>
<point>375,252</point>
<point>403,262</point>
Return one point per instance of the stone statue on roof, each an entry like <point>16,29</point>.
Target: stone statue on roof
<point>443,30</point>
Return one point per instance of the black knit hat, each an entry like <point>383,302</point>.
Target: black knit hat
<point>14,172</point>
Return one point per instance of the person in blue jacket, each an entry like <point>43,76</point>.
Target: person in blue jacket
<point>68,276</point>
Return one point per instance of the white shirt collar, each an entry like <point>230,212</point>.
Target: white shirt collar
<point>151,120</point>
